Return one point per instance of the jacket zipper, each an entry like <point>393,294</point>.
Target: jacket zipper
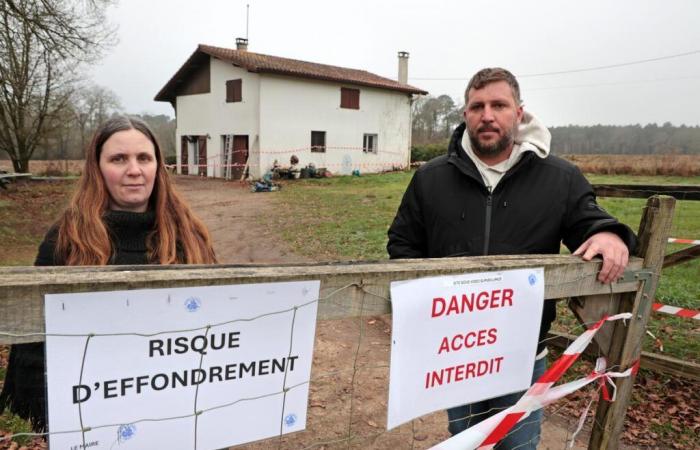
<point>487,231</point>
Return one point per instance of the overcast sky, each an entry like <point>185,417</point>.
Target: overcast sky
<point>445,39</point>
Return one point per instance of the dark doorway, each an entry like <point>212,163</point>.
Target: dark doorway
<point>184,165</point>
<point>240,156</point>
<point>202,152</point>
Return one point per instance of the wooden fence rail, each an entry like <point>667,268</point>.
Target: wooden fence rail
<point>678,191</point>
<point>22,289</point>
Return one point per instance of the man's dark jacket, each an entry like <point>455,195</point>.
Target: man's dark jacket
<point>448,211</point>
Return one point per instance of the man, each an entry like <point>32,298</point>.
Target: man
<point>499,191</point>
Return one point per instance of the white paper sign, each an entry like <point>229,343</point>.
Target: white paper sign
<point>208,371</point>
<point>462,339</point>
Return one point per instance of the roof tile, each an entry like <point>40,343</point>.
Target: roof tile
<point>256,62</point>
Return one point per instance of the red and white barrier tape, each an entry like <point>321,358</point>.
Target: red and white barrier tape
<point>676,311</point>
<point>387,164</point>
<point>683,241</point>
<point>486,434</point>
<point>302,150</point>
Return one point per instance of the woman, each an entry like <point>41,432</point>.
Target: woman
<point>125,211</point>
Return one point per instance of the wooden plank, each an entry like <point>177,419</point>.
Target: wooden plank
<point>590,309</point>
<point>662,364</point>
<point>22,288</point>
<point>682,256</point>
<point>626,346</point>
<point>14,175</point>
<point>678,191</point>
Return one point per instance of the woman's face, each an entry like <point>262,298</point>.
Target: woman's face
<point>128,165</point>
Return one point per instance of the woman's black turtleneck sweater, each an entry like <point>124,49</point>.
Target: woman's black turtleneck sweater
<point>24,391</point>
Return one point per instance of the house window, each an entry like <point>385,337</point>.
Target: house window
<point>369,143</point>
<point>349,98</point>
<point>318,141</point>
<point>234,91</point>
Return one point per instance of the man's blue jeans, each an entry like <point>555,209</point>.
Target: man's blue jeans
<point>524,435</point>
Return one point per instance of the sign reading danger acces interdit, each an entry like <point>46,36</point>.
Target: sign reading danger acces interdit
<point>463,338</point>
<point>200,367</point>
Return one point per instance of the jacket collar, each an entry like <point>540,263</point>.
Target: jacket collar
<point>458,157</point>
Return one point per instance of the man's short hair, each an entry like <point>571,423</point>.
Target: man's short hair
<point>492,75</point>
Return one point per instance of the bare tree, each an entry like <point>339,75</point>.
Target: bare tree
<point>69,28</point>
<point>42,42</point>
<point>91,106</point>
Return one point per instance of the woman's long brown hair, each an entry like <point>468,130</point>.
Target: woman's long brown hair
<point>179,236</point>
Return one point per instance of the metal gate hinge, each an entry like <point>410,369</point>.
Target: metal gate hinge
<point>645,276</point>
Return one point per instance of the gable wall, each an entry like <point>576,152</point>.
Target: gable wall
<point>209,114</point>
<point>291,108</point>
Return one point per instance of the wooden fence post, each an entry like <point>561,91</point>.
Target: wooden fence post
<point>626,345</point>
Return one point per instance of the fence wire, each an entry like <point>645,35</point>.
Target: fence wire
<point>347,406</point>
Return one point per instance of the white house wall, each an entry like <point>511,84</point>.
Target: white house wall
<point>210,115</point>
<point>291,108</point>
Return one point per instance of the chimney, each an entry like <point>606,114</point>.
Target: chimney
<point>242,44</point>
<point>403,67</point>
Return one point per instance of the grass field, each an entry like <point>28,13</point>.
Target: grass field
<point>348,217</point>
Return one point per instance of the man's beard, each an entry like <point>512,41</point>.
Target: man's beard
<point>494,149</point>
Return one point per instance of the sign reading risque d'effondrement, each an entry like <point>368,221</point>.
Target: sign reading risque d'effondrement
<point>209,364</point>
<point>461,339</point>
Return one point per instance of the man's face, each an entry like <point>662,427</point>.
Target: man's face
<point>492,116</point>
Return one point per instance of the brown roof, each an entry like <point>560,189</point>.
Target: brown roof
<point>256,62</point>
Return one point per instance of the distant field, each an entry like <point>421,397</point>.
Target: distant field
<point>49,167</point>
<point>679,165</point>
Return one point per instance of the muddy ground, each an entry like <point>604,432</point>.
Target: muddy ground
<point>242,225</point>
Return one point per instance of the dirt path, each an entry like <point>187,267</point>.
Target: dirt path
<point>238,220</point>
<point>242,227</point>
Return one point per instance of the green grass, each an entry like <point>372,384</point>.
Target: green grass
<point>343,217</point>
<point>14,425</point>
<point>348,217</point>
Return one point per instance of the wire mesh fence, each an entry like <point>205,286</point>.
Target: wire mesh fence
<point>348,386</point>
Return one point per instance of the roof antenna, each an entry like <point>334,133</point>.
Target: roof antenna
<point>247,12</point>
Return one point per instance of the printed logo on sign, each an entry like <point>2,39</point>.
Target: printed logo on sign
<point>532,279</point>
<point>290,420</point>
<point>193,304</point>
<point>126,432</point>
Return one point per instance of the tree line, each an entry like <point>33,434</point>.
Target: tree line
<point>434,119</point>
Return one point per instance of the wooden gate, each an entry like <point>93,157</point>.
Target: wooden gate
<point>359,289</point>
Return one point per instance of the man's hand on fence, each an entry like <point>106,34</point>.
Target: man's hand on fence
<point>613,250</point>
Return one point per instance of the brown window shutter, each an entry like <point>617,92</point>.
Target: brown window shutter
<point>238,90</point>
<point>184,165</point>
<point>234,91</point>
<point>229,91</point>
<point>349,98</point>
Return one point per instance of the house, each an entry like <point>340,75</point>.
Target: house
<point>239,112</point>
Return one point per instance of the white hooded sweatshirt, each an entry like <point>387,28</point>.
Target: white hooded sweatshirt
<point>532,136</point>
